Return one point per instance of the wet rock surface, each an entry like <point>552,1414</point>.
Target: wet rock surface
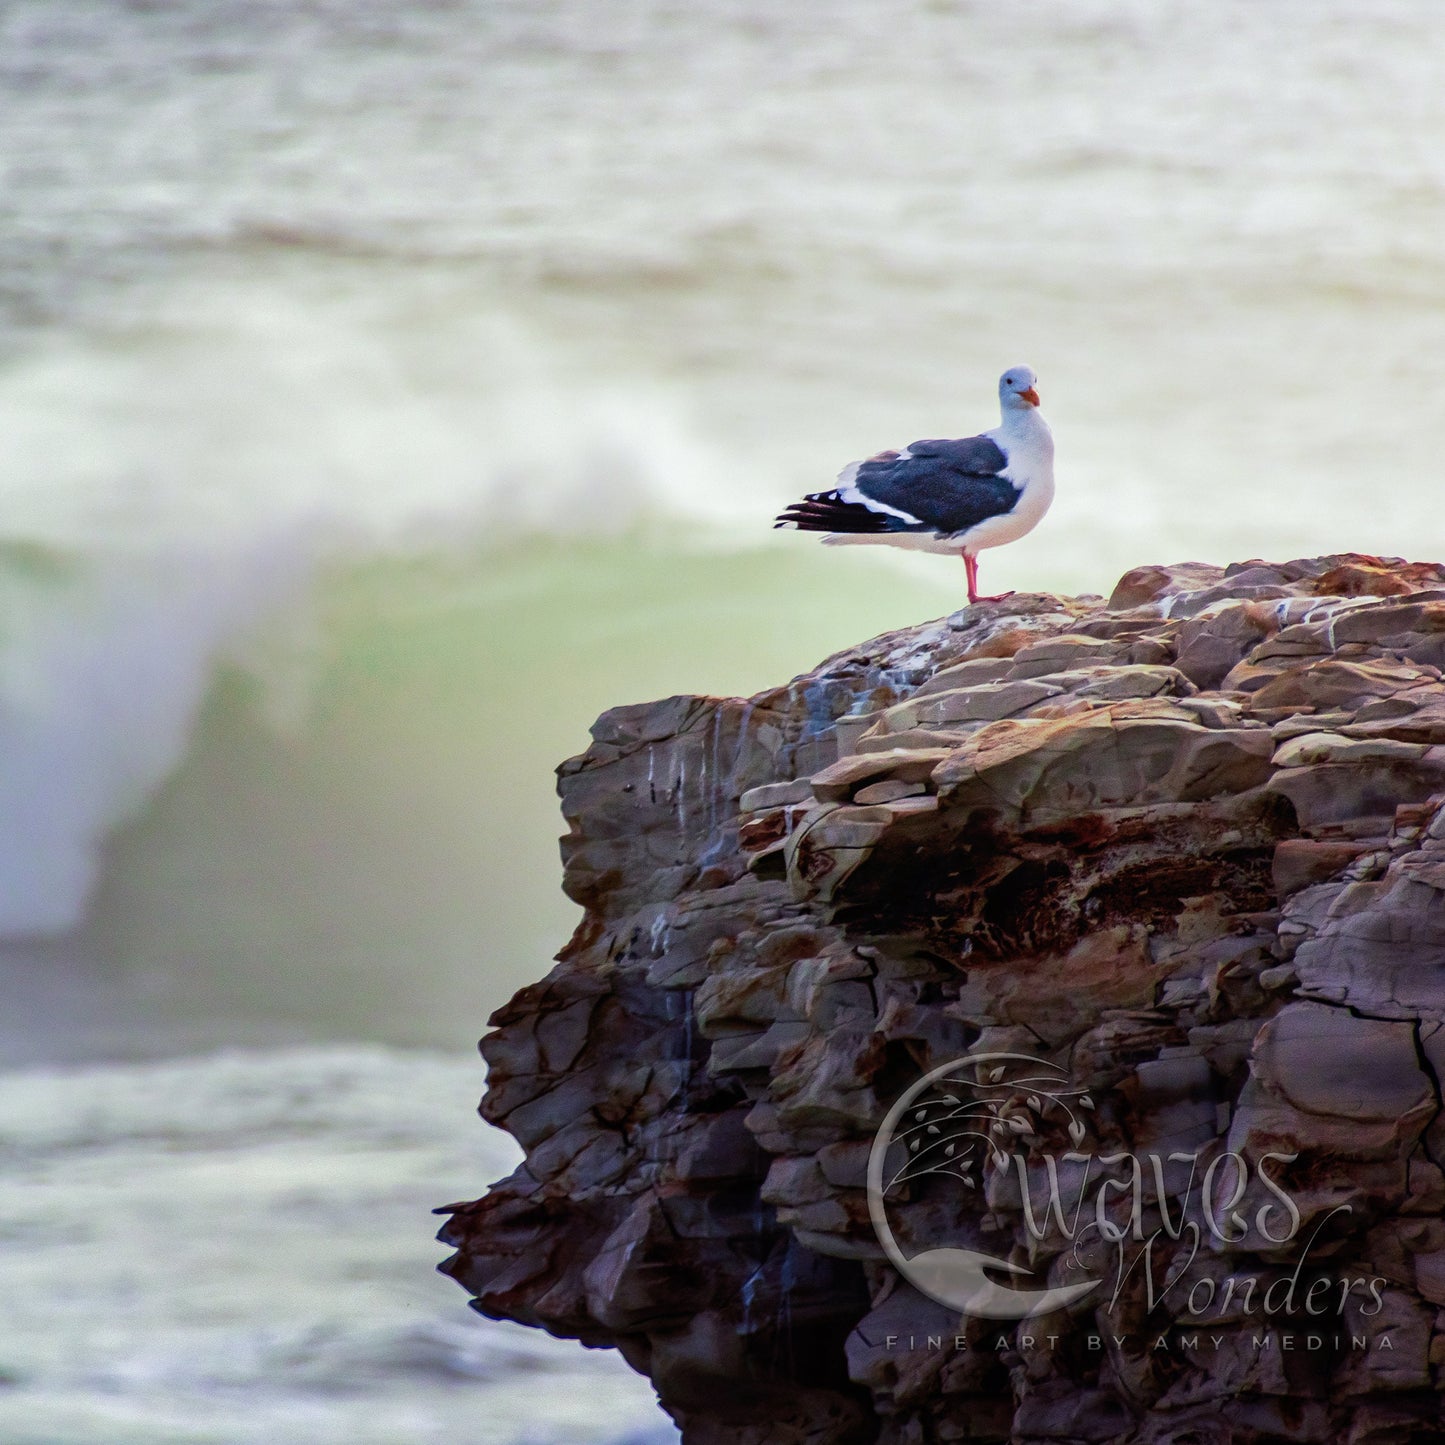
<point>1187,845</point>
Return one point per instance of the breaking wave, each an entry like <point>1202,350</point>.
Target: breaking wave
<point>166,534</point>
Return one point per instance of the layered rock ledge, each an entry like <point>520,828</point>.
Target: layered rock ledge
<point>1186,844</point>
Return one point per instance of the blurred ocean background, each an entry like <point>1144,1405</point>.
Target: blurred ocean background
<point>386,388</point>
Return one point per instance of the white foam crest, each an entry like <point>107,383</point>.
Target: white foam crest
<point>103,668</point>
<point>277,405</point>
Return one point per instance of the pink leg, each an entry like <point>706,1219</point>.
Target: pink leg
<point>970,565</point>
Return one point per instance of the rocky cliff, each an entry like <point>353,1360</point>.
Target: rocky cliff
<point>1181,852</point>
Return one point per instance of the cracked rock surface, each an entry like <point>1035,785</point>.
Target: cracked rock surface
<point>1187,844</point>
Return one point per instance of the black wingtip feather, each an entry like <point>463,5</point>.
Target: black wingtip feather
<point>828,512</point>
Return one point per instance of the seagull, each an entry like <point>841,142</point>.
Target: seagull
<point>946,496</point>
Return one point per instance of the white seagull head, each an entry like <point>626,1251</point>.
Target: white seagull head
<point>1016,389</point>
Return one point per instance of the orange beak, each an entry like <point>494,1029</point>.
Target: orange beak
<point>1030,396</point>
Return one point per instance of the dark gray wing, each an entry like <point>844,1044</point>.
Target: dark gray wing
<point>948,485</point>
<point>976,455</point>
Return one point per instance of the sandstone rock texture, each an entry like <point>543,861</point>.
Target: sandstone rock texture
<point>1188,844</point>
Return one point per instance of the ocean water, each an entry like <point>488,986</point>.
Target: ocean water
<point>237,1249</point>
<point>386,388</point>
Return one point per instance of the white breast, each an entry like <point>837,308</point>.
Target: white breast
<point>1030,447</point>
<point>1033,502</point>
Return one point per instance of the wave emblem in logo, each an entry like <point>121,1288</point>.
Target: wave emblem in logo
<point>952,1124</point>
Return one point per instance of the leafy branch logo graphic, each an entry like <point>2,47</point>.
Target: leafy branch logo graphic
<point>957,1122</point>
<point>939,1136</point>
